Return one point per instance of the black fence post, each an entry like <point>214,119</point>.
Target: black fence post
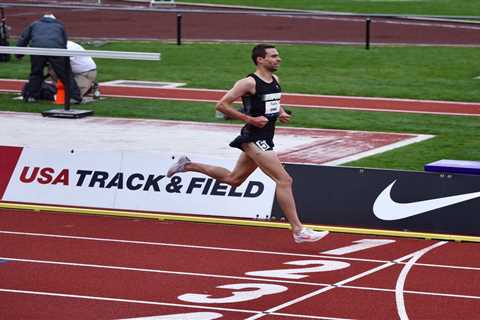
<point>179,29</point>
<point>367,33</point>
<point>67,85</point>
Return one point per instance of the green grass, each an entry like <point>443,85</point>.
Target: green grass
<point>420,7</point>
<point>436,73</point>
<point>407,72</point>
<point>457,137</point>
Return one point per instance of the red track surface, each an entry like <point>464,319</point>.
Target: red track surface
<point>235,26</point>
<point>297,100</point>
<point>64,266</point>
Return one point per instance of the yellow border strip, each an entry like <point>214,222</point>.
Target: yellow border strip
<point>240,222</point>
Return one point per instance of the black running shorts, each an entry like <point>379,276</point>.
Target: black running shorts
<point>262,144</point>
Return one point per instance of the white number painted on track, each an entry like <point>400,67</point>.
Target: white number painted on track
<point>360,245</point>
<point>260,290</point>
<point>184,316</point>
<point>323,266</point>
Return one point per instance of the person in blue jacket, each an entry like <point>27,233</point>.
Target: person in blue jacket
<point>47,32</point>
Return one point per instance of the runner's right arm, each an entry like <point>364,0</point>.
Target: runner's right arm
<point>225,105</point>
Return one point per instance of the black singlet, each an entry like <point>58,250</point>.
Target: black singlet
<point>265,102</point>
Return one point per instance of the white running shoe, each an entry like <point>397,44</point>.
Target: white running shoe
<point>308,235</point>
<point>178,166</point>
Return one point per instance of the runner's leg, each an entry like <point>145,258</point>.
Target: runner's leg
<point>270,164</point>
<point>243,168</point>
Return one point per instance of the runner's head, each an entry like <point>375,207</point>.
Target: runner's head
<point>266,55</point>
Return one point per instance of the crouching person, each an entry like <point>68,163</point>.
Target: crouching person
<point>84,71</point>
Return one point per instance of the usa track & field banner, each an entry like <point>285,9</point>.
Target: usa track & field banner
<point>127,181</point>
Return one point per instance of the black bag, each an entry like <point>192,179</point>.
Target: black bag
<point>47,92</point>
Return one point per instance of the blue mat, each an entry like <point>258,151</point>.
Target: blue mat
<point>454,166</point>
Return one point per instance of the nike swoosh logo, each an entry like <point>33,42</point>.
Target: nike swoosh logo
<point>386,208</point>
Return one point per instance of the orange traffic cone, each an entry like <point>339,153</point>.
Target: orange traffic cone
<point>60,96</point>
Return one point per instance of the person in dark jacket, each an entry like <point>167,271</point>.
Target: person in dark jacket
<point>47,32</point>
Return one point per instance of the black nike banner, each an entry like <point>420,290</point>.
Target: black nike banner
<point>386,199</point>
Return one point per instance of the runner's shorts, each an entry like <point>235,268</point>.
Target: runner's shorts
<point>262,144</point>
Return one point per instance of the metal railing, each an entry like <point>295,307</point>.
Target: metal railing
<point>67,112</point>
<point>89,53</point>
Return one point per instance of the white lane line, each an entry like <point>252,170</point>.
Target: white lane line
<point>307,106</point>
<point>109,299</point>
<point>293,94</point>
<point>184,246</point>
<point>399,297</point>
<point>304,316</point>
<point>385,148</point>
<point>235,278</point>
<point>397,110</point>
<point>446,266</point>
<point>426,293</point>
<point>225,249</point>
<point>183,316</point>
<point>99,266</point>
<point>339,283</point>
<point>311,106</point>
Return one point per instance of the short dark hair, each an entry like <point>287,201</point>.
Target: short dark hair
<point>260,50</point>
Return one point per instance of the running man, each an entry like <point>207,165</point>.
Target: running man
<point>260,93</point>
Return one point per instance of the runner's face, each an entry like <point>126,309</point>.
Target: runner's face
<point>272,60</point>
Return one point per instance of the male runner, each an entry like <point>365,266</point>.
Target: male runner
<point>261,93</point>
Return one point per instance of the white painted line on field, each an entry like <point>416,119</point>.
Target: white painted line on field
<point>108,299</point>
<point>398,110</point>
<point>183,316</point>
<point>289,254</point>
<point>14,80</point>
<point>359,245</point>
<point>305,316</point>
<point>415,256</point>
<point>342,282</point>
<point>158,98</point>
<point>184,246</point>
<point>356,98</point>
<point>403,143</point>
<point>399,298</point>
<point>437,294</point>
<point>292,94</point>
<point>143,84</point>
<point>190,274</point>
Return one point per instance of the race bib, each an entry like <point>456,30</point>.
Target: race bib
<point>272,103</point>
<point>272,107</point>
